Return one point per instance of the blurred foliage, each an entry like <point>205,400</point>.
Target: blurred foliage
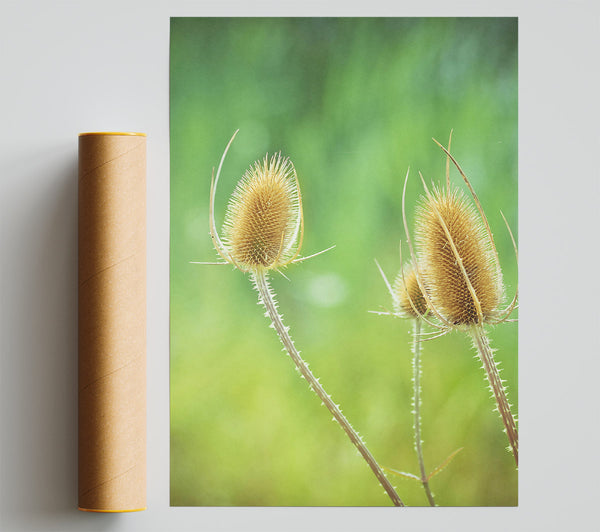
<point>353,103</point>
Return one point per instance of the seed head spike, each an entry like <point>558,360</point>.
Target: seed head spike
<point>448,162</point>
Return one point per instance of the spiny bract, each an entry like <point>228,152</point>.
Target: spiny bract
<point>450,235</point>
<point>263,218</point>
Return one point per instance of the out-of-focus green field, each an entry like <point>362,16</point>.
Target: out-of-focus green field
<point>353,103</point>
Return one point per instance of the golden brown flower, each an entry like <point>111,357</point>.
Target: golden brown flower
<point>457,260</point>
<point>264,226</point>
<point>263,218</point>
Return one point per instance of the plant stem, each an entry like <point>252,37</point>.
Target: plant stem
<point>487,357</point>
<point>264,290</point>
<point>417,407</point>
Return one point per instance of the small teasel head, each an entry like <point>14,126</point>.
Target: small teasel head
<point>263,227</point>
<point>457,259</point>
<point>407,294</point>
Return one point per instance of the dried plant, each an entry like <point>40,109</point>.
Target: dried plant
<point>263,231</point>
<point>459,273</point>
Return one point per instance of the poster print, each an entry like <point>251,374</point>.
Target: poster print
<point>355,381</point>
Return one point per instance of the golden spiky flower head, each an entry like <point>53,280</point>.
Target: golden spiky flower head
<point>264,226</point>
<point>458,267</point>
<point>407,295</point>
<point>457,260</point>
<point>263,218</point>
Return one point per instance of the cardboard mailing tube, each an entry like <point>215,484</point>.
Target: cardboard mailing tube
<point>112,322</point>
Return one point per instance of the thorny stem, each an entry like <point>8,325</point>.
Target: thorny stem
<point>262,285</point>
<point>487,357</point>
<point>417,407</point>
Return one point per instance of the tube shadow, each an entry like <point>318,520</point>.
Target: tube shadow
<point>38,376</point>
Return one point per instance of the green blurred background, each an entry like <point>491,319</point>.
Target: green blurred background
<point>353,103</point>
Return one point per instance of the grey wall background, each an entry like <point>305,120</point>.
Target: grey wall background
<point>67,67</point>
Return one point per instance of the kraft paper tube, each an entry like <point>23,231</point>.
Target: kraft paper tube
<point>112,322</point>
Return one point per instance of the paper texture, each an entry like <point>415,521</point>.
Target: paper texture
<point>112,322</point>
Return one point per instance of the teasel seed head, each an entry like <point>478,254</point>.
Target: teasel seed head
<point>264,225</point>
<point>458,268</point>
<point>457,260</point>
<point>408,297</point>
<point>263,218</point>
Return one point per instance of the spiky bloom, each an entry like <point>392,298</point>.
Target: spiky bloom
<point>263,218</point>
<point>456,259</point>
<point>408,297</point>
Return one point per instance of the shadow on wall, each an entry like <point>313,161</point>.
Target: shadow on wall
<point>38,375</point>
